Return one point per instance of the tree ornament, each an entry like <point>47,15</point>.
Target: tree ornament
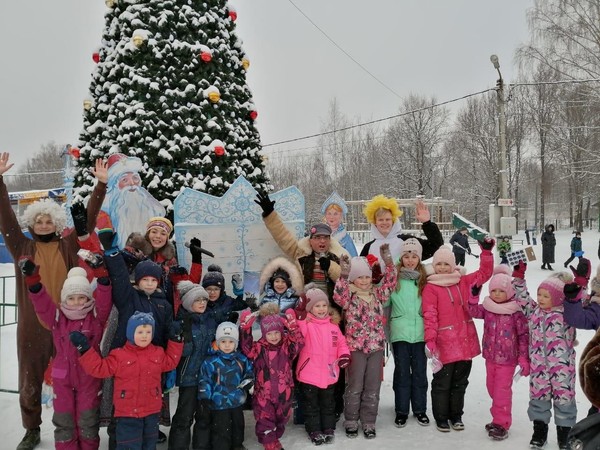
<point>110,3</point>
<point>214,97</point>
<point>138,40</point>
<point>206,56</point>
<point>232,14</point>
<point>87,104</point>
<point>253,114</point>
<point>219,150</point>
<point>96,57</point>
<point>245,63</point>
<point>74,152</point>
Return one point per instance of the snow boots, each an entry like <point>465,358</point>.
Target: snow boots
<point>562,435</point>
<point>30,440</point>
<point>540,435</point>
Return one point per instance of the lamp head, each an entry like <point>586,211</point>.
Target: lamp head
<point>495,62</point>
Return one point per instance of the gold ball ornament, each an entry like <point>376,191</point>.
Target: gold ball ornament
<point>110,3</point>
<point>138,40</point>
<point>245,63</point>
<point>87,104</point>
<point>214,97</point>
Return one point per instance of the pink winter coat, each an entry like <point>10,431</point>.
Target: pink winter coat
<point>449,328</point>
<point>324,343</point>
<point>92,326</point>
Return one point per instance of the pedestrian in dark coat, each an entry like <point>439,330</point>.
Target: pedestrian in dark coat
<point>272,356</point>
<point>576,247</point>
<point>548,244</point>
<point>460,245</point>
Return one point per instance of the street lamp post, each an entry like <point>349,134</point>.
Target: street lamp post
<point>500,108</point>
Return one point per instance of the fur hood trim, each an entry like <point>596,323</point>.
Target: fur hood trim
<point>281,262</point>
<point>168,251</point>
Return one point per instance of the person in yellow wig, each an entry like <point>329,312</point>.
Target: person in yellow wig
<point>383,214</point>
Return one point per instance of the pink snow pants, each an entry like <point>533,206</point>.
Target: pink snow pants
<point>76,411</point>
<point>499,385</point>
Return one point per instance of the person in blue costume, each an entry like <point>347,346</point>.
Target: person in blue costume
<point>334,209</point>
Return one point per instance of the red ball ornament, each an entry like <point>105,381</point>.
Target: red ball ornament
<point>96,57</point>
<point>253,115</point>
<point>74,152</point>
<point>232,15</point>
<point>219,150</point>
<point>206,56</point>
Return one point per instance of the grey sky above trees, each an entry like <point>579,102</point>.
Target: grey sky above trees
<point>429,48</point>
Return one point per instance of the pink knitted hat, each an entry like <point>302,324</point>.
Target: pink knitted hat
<point>314,296</point>
<point>502,282</point>
<point>444,254</point>
<point>503,268</point>
<point>554,284</point>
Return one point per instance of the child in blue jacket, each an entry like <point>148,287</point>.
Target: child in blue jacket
<point>226,377</point>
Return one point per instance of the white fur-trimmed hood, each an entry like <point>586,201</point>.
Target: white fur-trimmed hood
<point>281,262</point>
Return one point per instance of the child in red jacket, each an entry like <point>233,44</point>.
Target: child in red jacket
<point>137,368</point>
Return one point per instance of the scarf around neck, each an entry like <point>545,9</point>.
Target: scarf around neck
<point>77,312</point>
<point>444,279</point>
<point>506,308</point>
<point>366,295</point>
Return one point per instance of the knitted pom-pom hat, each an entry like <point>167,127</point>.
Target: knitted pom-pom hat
<point>76,283</point>
<point>213,277</point>
<point>555,284</point>
<point>138,318</point>
<point>502,282</point>
<point>190,293</point>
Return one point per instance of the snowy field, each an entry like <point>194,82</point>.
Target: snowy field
<point>413,436</point>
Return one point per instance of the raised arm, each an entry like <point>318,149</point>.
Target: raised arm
<point>9,225</point>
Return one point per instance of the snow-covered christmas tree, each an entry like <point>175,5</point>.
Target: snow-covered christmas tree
<point>170,88</point>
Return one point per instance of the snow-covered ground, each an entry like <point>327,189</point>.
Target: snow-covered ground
<point>477,402</point>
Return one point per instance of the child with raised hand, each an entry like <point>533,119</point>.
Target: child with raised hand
<point>272,356</point>
<point>137,368</point>
<point>76,393</point>
<point>362,304</point>
<point>225,380</point>
<point>450,334</point>
<point>552,354</point>
<point>582,310</point>
<point>325,352</point>
<point>198,330</point>
<point>407,336</point>
<point>505,345</point>
<point>280,282</point>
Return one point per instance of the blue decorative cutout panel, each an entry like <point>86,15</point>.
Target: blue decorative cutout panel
<point>232,228</point>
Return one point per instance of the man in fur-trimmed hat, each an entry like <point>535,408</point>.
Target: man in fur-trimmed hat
<point>55,253</point>
<point>316,255</point>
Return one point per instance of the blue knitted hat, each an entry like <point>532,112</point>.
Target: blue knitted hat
<point>138,318</point>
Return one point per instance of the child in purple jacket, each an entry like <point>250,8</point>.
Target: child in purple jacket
<point>505,344</point>
<point>77,394</point>
<point>272,357</point>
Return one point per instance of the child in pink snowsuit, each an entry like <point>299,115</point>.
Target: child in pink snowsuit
<point>505,344</point>
<point>77,394</point>
<point>272,357</point>
<point>362,304</point>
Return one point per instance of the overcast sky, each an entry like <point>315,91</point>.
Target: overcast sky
<point>428,47</point>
